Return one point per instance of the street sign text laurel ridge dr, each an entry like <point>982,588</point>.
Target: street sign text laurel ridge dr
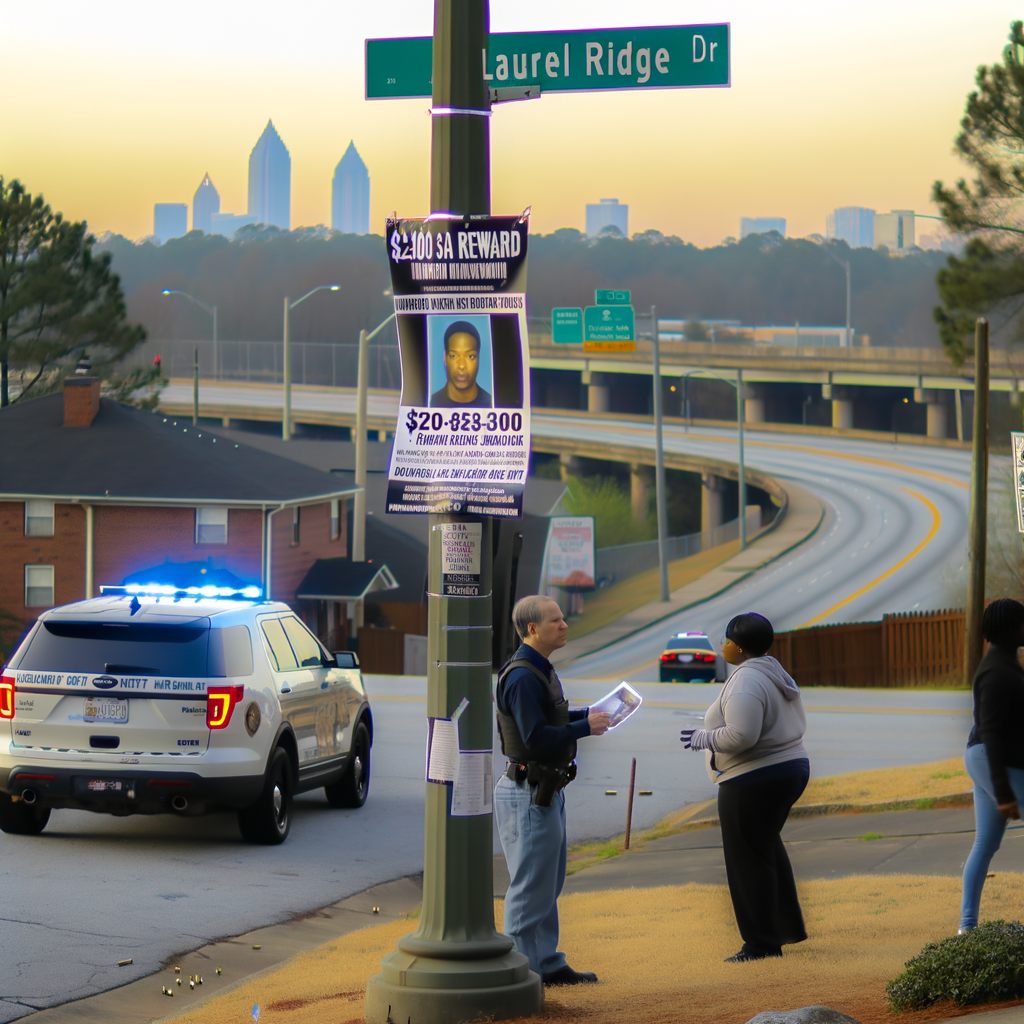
<point>586,60</point>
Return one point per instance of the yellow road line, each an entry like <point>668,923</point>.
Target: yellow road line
<point>936,521</point>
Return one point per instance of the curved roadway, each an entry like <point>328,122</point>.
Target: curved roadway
<point>893,535</point>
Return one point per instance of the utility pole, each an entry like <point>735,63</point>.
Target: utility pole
<point>457,967</point>
<point>216,360</point>
<point>740,413</point>
<point>359,503</point>
<point>847,340</point>
<point>976,537</point>
<point>286,415</point>
<point>659,461</point>
<point>195,385</point>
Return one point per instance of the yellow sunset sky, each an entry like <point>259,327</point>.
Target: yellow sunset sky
<point>111,106</point>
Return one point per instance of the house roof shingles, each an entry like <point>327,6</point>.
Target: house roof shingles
<point>129,454</point>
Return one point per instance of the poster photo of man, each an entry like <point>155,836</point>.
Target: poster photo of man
<point>460,362</point>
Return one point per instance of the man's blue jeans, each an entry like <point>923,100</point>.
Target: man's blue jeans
<point>989,828</point>
<point>533,841</point>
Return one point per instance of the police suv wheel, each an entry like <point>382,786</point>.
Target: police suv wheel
<point>21,819</point>
<point>352,789</point>
<point>268,821</point>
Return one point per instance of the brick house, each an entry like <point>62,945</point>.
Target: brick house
<point>92,491</point>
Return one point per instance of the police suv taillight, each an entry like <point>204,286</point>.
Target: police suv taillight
<point>7,695</point>
<point>220,703</point>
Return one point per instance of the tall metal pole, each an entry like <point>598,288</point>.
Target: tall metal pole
<point>286,414</point>
<point>976,537</point>
<point>847,338</point>
<point>456,967</point>
<point>195,385</point>
<point>659,461</point>
<point>740,413</point>
<point>216,360</point>
<point>359,503</point>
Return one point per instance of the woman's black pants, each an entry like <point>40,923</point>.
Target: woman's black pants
<point>756,864</point>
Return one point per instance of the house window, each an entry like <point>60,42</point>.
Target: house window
<point>211,526</point>
<point>38,518</point>
<point>38,586</point>
<point>295,524</point>
<point>335,520</point>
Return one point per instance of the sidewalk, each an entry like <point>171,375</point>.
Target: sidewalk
<point>802,518</point>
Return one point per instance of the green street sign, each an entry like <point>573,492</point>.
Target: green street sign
<point>583,60</point>
<point>611,297</point>
<point>608,323</point>
<point>567,326</point>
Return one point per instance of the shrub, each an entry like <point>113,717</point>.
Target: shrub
<point>985,965</point>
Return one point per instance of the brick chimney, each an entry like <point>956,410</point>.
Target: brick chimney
<point>81,401</point>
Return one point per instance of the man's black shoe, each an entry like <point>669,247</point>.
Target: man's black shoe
<point>567,976</point>
<point>745,956</point>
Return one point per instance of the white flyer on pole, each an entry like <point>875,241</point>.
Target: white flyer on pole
<point>474,784</point>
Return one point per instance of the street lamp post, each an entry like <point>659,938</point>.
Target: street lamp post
<point>742,474</point>
<point>659,461</point>
<point>359,503</point>
<point>286,416</point>
<point>845,264</point>
<point>212,310</point>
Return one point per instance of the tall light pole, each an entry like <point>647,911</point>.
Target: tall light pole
<point>212,310</point>
<point>742,473</point>
<point>659,461</point>
<point>845,264</point>
<point>976,535</point>
<point>286,416</point>
<point>359,503</point>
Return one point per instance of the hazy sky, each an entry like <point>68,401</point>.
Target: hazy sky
<point>110,106</point>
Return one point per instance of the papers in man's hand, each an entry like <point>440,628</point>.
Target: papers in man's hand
<point>620,703</point>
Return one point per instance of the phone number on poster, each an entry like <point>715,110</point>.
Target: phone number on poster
<point>468,421</point>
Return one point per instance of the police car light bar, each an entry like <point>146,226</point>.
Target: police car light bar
<point>167,590</point>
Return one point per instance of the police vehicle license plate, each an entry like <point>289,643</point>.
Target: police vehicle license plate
<point>106,787</point>
<point>106,709</point>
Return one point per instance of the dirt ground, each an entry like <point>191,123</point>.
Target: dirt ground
<point>659,956</point>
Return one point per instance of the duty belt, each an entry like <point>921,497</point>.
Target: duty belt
<point>547,779</point>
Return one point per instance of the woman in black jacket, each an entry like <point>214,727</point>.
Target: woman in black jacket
<point>995,748</point>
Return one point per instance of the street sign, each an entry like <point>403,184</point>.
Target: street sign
<point>585,60</point>
<point>609,329</point>
<point>611,297</point>
<point>567,326</point>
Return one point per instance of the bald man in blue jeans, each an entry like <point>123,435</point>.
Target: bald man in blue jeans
<point>538,735</point>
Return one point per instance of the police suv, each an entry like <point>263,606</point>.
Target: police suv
<point>151,700</point>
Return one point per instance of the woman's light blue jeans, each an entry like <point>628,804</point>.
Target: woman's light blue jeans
<point>989,828</point>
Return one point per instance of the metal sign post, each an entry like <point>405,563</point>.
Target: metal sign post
<point>976,536</point>
<point>457,967</point>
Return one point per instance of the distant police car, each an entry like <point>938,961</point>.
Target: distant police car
<point>691,658</point>
<point>151,700</point>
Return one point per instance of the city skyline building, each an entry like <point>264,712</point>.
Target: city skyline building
<point>762,226</point>
<point>205,203</point>
<point>895,230</point>
<point>228,223</point>
<point>855,225</point>
<point>350,194</point>
<point>170,220</point>
<point>607,213</point>
<point>270,180</point>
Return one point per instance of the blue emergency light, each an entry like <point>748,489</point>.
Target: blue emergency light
<point>250,593</point>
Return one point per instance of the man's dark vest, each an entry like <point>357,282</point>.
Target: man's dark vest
<point>556,711</point>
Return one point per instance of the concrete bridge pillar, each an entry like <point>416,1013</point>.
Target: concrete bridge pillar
<point>598,391</point>
<point>568,465</point>
<point>753,405</point>
<point>711,499</point>
<point>640,480</point>
<point>937,410</point>
<point>842,413</point>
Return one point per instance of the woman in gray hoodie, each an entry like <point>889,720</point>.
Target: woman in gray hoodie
<point>753,736</point>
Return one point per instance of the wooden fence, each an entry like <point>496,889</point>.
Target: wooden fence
<point>910,649</point>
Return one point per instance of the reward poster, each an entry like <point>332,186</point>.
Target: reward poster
<point>462,443</point>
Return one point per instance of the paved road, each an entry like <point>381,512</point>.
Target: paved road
<point>893,535</point>
<point>93,889</point>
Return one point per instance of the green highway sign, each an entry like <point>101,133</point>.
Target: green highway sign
<point>611,297</point>
<point>583,60</point>
<point>608,323</point>
<point>567,326</point>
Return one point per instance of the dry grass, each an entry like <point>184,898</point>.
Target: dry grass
<point>916,786</point>
<point>659,954</point>
<point>606,606</point>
